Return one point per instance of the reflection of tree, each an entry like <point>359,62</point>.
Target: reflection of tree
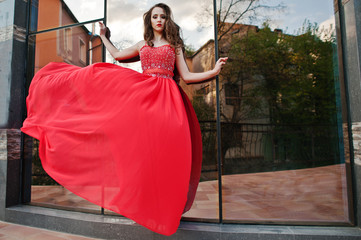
<point>189,50</point>
<point>122,45</point>
<point>232,12</point>
<point>287,79</point>
<point>292,76</point>
<point>205,113</point>
<point>39,176</point>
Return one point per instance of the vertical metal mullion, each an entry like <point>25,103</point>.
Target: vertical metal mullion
<point>104,59</point>
<point>105,22</point>
<point>219,150</point>
<point>352,179</point>
<point>23,106</point>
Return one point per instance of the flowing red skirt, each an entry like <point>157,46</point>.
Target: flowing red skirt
<point>123,140</point>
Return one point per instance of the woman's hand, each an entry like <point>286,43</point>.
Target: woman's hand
<point>190,77</point>
<point>103,29</point>
<point>219,65</point>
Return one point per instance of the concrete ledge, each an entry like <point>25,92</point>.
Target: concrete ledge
<point>110,227</point>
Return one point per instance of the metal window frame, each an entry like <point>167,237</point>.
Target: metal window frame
<point>350,172</point>
<point>25,188</point>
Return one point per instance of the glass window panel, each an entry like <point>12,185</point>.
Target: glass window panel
<point>47,14</point>
<point>203,97</point>
<point>283,155</point>
<point>125,20</point>
<point>76,46</point>
<point>198,35</point>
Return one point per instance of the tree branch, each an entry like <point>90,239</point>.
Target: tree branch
<point>237,19</point>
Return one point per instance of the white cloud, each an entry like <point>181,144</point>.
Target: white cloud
<point>327,28</point>
<point>131,30</point>
<point>124,10</point>
<point>328,24</point>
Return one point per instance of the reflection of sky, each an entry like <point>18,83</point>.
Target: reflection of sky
<point>126,24</point>
<point>293,17</point>
<point>125,18</point>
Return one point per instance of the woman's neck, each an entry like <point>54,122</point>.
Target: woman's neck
<point>159,42</point>
<point>158,37</point>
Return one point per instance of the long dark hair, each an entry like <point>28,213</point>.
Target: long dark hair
<point>171,32</point>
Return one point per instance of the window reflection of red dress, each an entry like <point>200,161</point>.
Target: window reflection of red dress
<point>127,141</point>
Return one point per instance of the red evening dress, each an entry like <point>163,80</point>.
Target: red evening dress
<point>127,141</point>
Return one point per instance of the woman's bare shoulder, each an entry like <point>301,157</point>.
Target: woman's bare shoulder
<point>140,44</point>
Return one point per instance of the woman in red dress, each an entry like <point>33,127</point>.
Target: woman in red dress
<point>127,141</point>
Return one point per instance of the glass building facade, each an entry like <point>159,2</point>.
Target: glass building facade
<point>281,124</point>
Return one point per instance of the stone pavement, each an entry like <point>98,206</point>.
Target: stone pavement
<point>311,195</point>
<point>9,231</point>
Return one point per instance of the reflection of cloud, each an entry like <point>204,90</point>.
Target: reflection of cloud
<point>124,10</point>
<point>125,17</point>
<point>130,24</point>
<point>131,30</point>
<point>188,23</point>
<point>328,24</point>
<point>296,12</point>
<point>85,10</point>
<point>327,29</point>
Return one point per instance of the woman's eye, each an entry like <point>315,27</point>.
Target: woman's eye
<point>163,17</point>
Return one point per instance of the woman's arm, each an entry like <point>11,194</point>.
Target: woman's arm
<point>124,54</point>
<point>190,77</point>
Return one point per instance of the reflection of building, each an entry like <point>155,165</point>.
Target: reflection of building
<point>236,144</point>
<point>74,45</point>
<point>203,59</point>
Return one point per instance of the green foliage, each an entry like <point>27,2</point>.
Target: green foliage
<point>290,81</point>
<point>292,75</point>
<point>189,50</point>
<point>204,111</point>
<point>39,176</point>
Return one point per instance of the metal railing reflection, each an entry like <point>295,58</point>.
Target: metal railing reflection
<point>249,148</point>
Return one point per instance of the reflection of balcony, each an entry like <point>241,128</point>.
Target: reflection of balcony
<point>308,195</point>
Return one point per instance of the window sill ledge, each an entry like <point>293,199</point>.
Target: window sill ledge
<point>112,227</point>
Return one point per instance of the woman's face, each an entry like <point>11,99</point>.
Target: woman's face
<point>158,19</point>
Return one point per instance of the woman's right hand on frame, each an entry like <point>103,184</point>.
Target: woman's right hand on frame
<point>219,64</point>
<point>103,29</point>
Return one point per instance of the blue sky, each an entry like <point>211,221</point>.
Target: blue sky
<point>316,11</point>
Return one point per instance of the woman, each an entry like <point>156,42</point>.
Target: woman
<point>127,141</point>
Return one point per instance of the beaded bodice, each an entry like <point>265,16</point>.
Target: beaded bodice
<point>158,61</point>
